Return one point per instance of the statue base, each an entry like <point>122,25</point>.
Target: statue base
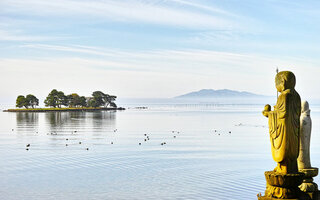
<point>308,185</point>
<point>314,195</point>
<point>283,186</point>
<point>270,198</point>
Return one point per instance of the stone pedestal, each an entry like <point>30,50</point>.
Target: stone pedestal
<point>308,186</point>
<point>283,186</point>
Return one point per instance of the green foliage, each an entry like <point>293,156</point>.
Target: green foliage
<point>29,100</point>
<point>102,99</point>
<point>74,100</point>
<point>98,98</point>
<point>32,100</point>
<point>112,104</point>
<point>83,101</point>
<point>62,99</point>
<point>92,103</point>
<point>21,102</point>
<point>56,99</point>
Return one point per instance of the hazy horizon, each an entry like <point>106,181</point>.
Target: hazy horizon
<point>156,49</point>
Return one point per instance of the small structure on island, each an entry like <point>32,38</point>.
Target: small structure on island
<point>284,129</point>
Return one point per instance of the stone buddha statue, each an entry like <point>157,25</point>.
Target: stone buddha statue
<point>305,133</point>
<point>284,124</point>
<point>289,136</point>
<point>304,164</point>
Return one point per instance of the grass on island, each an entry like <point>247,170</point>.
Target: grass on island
<point>60,109</point>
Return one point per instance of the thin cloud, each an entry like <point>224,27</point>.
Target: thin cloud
<point>204,7</point>
<point>18,36</point>
<point>124,11</point>
<point>193,61</point>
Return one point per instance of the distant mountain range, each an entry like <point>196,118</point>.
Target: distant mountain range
<point>225,93</point>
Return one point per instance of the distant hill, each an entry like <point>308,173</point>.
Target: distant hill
<point>225,93</point>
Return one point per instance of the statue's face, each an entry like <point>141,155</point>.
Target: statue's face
<point>279,88</point>
<point>279,84</point>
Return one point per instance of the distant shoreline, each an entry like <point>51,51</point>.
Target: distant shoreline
<point>61,109</point>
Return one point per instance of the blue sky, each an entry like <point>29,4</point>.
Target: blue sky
<point>156,49</point>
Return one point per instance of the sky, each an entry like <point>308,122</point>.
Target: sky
<point>156,48</point>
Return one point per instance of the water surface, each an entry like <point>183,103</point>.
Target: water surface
<point>199,160</point>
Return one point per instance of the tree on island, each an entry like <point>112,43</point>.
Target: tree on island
<point>32,100</point>
<point>21,102</point>
<point>29,100</point>
<point>101,99</point>
<point>83,102</point>
<point>56,99</point>
<point>74,100</point>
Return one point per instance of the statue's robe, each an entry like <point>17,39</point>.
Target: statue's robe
<point>284,127</point>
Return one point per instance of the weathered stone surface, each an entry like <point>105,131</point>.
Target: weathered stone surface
<point>283,180</point>
<point>284,124</point>
<point>304,164</point>
<point>284,131</point>
<point>305,135</point>
<point>282,186</point>
<point>308,185</point>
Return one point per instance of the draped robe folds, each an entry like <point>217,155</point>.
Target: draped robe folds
<point>284,127</point>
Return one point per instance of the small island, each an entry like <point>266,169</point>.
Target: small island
<point>58,101</point>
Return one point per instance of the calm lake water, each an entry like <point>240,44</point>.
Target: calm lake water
<point>199,160</point>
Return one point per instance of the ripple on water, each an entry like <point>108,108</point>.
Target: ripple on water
<point>197,164</point>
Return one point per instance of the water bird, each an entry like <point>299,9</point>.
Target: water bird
<point>139,143</point>
<point>219,134</point>
<point>145,140</point>
<point>28,145</point>
<point>66,145</point>
<point>174,136</point>
<point>27,149</point>
<point>164,143</point>
<point>215,130</point>
<point>161,143</point>
<point>12,129</point>
<point>67,139</point>
<point>230,132</point>
<point>111,142</point>
<point>79,142</point>
<point>87,149</point>
<point>145,134</point>
<point>75,131</point>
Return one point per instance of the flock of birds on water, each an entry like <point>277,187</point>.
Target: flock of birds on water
<point>146,138</point>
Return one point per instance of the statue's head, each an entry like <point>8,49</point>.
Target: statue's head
<point>304,106</point>
<point>285,80</point>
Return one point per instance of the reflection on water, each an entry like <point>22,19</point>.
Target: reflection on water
<point>57,119</point>
<point>99,120</point>
<point>26,118</point>
<point>27,122</point>
<point>118,155</point>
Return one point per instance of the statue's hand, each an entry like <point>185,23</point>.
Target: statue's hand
<point>267,109</point>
